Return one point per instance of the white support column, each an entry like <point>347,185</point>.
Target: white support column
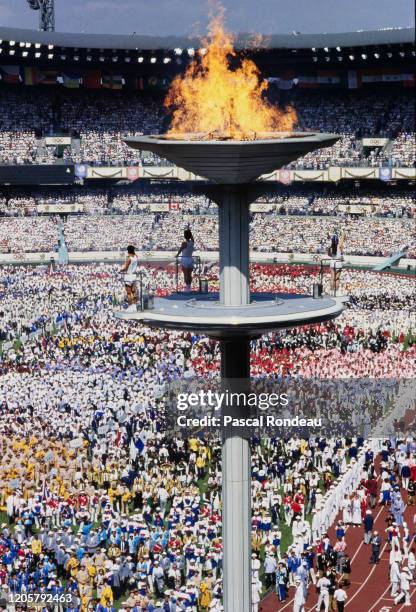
<point>233,211</point>
<point>235,372</point>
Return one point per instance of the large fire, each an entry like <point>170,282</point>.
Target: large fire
<point>218,100</point>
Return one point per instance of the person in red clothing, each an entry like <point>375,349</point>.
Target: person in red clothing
<point>372,491</point>
<point>296,510</point>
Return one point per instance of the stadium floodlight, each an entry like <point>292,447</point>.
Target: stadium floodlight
<point>340,58</point>
<point>37,45</point>
<point>89,58</point>
<point>25,53</point>
<point>63,57</point>
<point>338,49</point>
<point>352,57</point>
<point>364,55</point>
<point>327,58</point>
<point>314,49</point>
<point>50,56</point>
<point>315,59</point>
<point>12,43</point>
<point>28,45</point>
<point>389,55</point>
<point>203,51</point>
<point>377,55</point>
<point>115,58</point>
<point>127,60</point>
<point>101,58</point>
<point>166,60</point>
<point>326,49</point>
<point>140,59</point>
<point>46,10</point>
<point>178,51</point>
<point>76,58</point>
<point>191,51</point>
<point>402,53</point>
<point>21,44</point>
<point>153,60</point>
<point>12,52</point>
<point>38,54</point>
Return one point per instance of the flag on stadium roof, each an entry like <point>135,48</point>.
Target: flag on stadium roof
<point>10,74</point>
<point>112,81</point>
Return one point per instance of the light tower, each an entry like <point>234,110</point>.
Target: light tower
<point>46,15</point>
<point>235,316</point>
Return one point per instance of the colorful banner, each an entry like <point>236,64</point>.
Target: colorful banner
<point>133,173</point>
<point>71,79</point>
<point>30,75</point>
<point>385,174</point>
<point>374,142</point>
<point>328,77</point>
<point>81,170</point>
<point>48,77</point>
<point>10,74</point>
<point>112,81</point>
<point>286,176</point>
<point>92,79</point>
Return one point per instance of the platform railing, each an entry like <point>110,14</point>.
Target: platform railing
<point>321,273</point>
<point>145,301</point>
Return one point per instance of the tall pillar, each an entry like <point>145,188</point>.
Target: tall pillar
<point>236,484</point>
<point>233,212</point>
<point>235,374</point>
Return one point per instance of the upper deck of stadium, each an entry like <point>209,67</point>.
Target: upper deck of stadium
<point>295,47</point>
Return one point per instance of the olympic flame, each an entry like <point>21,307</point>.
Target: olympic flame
<point>219,96</point>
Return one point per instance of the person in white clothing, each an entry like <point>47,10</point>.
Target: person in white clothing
<point>187,261</point>
<point>323,585</point>
<point>299,599</point>
<point>340,597</point>
<point>130,270</point>
<point>255,594</point>
<point>394,577</point>
<point>405,578</point>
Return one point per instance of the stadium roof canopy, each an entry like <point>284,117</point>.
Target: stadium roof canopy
<point>135,41</point>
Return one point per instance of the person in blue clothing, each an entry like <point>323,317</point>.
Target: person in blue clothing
<point>282,578</point>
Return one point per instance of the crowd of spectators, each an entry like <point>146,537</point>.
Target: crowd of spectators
<point>143,197</point>
<point>99,121</point>
<point>269,233</point>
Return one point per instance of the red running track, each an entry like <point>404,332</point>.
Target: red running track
<point>370,585</point>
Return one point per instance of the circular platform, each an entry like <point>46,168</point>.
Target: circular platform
<point>204,314</point>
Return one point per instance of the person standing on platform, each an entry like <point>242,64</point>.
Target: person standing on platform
<point>130,277</point>
<point>185,252</point>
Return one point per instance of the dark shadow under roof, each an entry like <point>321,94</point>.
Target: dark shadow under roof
<point>143,42</point>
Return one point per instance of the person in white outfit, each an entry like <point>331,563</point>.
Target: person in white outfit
<point>255,594</point>
<point>394,577</point>
<point>299,599</point>
<point>323,585</point>
<point>130,276</point>
<point>187,261</point>
<point>405,578</point>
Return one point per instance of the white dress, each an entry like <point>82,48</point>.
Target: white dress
<point>187,260</point>
<point>356,511</point>
<point>346,511</point>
